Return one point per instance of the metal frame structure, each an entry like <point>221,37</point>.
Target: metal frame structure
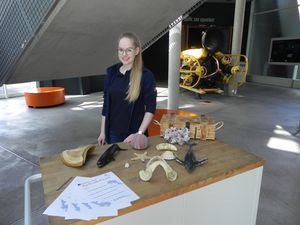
<point>19,21</point>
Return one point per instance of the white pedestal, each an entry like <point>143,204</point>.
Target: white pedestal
<point>232,201</point>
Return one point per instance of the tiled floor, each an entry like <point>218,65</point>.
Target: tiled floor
<point>259,119</point>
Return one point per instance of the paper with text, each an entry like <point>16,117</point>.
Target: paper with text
<point>89,198</point>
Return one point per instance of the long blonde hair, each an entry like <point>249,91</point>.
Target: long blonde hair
<point>136,71</point>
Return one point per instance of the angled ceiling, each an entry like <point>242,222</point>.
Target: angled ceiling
<point>80,37</point>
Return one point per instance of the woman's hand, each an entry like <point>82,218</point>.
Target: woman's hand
<point>101,139</point>
<point>129,138</point>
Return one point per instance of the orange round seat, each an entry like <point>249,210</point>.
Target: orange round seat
<point>45,96</point>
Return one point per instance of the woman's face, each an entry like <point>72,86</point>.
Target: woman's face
<point>127,51</point>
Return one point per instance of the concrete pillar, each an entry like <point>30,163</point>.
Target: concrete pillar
<point>237,37</point>
<point>174,66</point>
<point>250,30</point>
<point>5,91</point>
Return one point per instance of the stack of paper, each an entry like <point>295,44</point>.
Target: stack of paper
<point>89,198</point>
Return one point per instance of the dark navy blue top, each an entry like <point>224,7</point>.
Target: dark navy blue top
<point>146,101</point>
<point>119,107</point>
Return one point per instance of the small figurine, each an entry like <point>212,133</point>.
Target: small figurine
<point>108,155</point>
<point>190,161</point>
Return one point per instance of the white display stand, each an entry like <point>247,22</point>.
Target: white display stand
<point>232,201</point>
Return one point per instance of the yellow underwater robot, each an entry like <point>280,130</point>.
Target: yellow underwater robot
<point>207,69</point>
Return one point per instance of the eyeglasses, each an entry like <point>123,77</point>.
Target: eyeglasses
<point>127,51</point>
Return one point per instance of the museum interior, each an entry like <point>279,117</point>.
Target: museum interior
<point>228,87</point>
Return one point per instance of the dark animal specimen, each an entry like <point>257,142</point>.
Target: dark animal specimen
<point>190,161</point>
<point>108,155</point>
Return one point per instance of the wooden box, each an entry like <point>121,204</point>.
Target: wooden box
<point>200,127</point>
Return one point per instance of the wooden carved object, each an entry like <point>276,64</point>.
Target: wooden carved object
<point>76,157</point>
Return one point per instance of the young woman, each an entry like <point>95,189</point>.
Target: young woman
<point>129,95</point>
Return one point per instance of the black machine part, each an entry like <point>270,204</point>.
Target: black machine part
<point>213,39</point>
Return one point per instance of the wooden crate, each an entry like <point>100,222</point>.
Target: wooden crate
<point>200,127</point>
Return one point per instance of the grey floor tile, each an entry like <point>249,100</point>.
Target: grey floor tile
<point>258,119</point>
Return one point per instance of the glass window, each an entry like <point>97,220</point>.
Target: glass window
<point>265,5</point>
<point>14,90</point>
<point>261,6</point>
<point>281,23</point>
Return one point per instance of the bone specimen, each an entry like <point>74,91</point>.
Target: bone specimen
<point>166,146</point>
<point>154,162</point>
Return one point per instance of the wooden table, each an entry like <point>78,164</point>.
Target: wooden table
<point>224,191</point>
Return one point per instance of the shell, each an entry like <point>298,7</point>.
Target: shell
<point>140,141</point>
<point>166,146</point>
<point>168,155</point>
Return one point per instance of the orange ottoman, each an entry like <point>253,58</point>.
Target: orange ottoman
<point>45,96</point>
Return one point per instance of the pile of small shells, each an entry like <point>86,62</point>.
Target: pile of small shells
<point>177,135</point>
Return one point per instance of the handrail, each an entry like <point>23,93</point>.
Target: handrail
<point>27,200</point>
